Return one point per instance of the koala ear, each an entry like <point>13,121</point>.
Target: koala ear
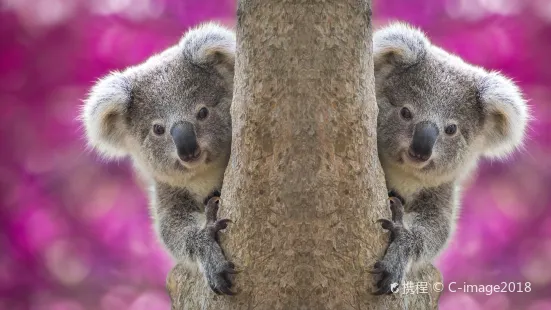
<point>398,45</point>
<point>103,114</point>
<point>506,115</point>
<point>210,45</point>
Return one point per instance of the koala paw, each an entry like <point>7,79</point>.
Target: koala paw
<point>214,225</point>
<point>397,223</point>
<point>214,193</point>
<point>391,274</point>
<point>393,193</point>
<point>392,267</point>
<point>217,269</point>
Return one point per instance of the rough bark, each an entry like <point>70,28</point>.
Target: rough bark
<point>304,185</point>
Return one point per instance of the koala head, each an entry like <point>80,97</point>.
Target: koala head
<point>170,114</point>
<point>438,114</point>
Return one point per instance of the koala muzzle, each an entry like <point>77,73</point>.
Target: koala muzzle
<point>424,138</point>
<point>185,141</point>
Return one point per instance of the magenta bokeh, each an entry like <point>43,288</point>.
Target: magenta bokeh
<point>74,230</point>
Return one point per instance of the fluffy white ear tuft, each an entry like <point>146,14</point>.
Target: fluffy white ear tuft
<point>210,44</point>
<point>506,115</point>
<point>103,114</point>
<point>398,44</point>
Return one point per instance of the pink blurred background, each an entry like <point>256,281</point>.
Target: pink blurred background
<point>75,232</point>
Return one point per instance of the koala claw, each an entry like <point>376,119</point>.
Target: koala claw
<point>220,282</point>
<point>389,281</point>
<point>215,193</point>
<point>393,193</point>
<point>211,212</point>
<point>217,267</point>
<point>386,224</point>
<point>391,274</point>
<point>397,223</point>
<point>392,267</point>
<point>221,224</point>
<point>397,209</point>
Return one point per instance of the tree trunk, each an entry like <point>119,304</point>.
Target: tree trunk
<point>304,186</point>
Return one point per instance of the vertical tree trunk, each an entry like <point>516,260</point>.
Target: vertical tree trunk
<point>304,185</point>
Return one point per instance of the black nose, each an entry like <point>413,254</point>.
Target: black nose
<point>424,138</point>
<point>185,140</point>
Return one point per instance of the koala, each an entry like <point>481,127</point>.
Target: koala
<point>438,115</point>
<point>171,116</point>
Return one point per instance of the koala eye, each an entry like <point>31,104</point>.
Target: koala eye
<point>159,130</point>
<point>202,113</point>
<point>450,129</point>
<point>405,113</point>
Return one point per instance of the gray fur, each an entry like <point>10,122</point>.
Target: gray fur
<point>491,117</point>
<point>172,87</point>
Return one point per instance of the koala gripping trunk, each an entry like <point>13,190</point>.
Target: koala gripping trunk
<point>304,185</point>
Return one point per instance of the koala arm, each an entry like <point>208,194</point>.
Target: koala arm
<point>416,236</point>
<point>191,234</point>
<point>430,218</point>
